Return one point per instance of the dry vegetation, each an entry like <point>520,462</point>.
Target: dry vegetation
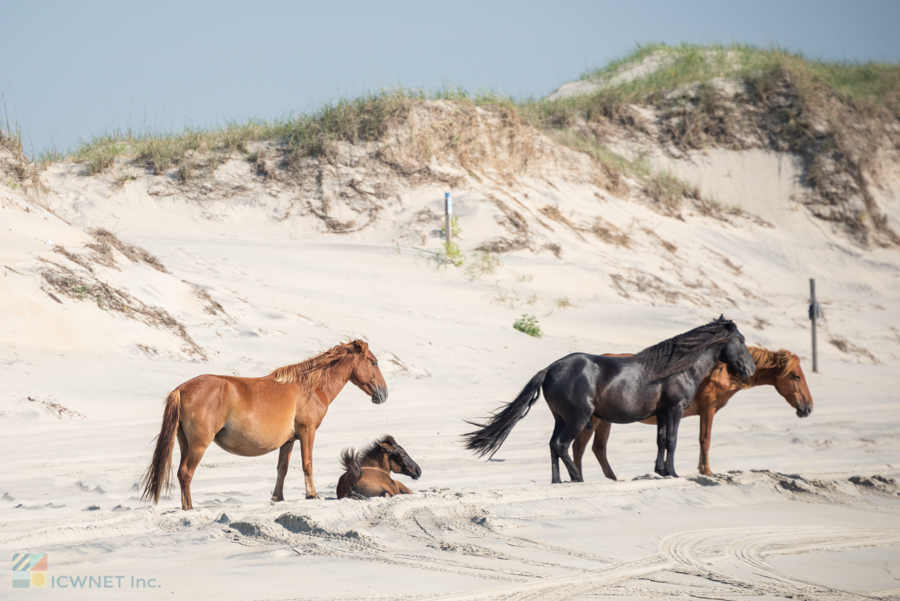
<point>16,171</point>
<point>62,280</point>
<point>106,240</point>
<point>835,116</point>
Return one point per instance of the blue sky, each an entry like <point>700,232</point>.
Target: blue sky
<point>72,70</point>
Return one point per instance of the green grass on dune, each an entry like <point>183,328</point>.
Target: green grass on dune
<point>368,117</point>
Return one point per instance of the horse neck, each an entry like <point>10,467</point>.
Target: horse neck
<point>703,365</point>
<point>764,376</point>
<point>337,377</point>
<point>379,459</point>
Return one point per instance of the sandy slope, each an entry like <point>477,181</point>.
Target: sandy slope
<point>803,508</point>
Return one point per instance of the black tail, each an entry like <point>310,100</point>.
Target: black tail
<point>350,461</point>
<point>491,434</point>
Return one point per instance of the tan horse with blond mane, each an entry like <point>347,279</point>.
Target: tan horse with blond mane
<point>779,369</point>
<point>255,416</point>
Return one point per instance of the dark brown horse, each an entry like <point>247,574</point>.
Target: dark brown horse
<point>369,471</point>
<point>660,382</point>
<point>255,416</point>
<point>779,369</point>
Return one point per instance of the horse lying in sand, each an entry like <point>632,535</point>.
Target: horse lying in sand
<point>369,471</point>
<point>660,381</point>
<point>779,369</point>
<point>255,416</point>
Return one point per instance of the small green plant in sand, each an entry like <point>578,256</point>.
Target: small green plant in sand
<point>80,291</point>
<point>563,302</point>
<point>525,277</point>
<point>529,325</point>
<point>455,230</point>
<point>451,253</point>
<point>483,263</point>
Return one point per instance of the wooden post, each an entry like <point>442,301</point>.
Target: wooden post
<point>448,210</point>
<point>813,315</point>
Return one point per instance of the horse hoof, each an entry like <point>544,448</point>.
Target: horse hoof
<point>312,496</point>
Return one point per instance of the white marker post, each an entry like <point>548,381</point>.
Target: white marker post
<point>448,210</point>
<point>814,313</point>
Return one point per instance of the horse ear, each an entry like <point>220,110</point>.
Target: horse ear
<point>360,347</point>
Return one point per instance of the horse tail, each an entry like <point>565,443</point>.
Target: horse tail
<point>491,434</point>
<point>349,478</point>
<point>158,476</point>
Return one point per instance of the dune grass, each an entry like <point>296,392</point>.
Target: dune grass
<point>369,116</point>
<point>362,119</point>
<point>867,85</point>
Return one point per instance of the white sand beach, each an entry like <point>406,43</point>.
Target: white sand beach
<point>250,276</point>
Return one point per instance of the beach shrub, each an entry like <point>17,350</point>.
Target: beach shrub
<point>529,325</point>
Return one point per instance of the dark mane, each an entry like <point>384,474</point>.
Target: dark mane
<point>679,353</point>
<point>374,450</point>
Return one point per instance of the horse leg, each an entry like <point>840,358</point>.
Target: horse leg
<point>706,420</point>
<point>182,449</point>
<point>579,445</point>
<point>189,462</point>
<point>599,448</point>
<point>403,489</point>
<point>284,458</point>
<point>673,420</point>
<point>660,445</point>
<point>561,444</point>
<point>307,438</point>
<point>554,456</point>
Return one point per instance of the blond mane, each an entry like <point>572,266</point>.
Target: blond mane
<point>315,372</point>
<point>782,360</point>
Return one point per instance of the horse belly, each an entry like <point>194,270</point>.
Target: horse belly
<point>253,441</point>
<point>625,404</point>
<point>375,482</point>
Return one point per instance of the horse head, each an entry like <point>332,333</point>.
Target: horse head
<point>399,461</point>
<point>366,374</point>
<point>734,352</point>
<point>790,382</point>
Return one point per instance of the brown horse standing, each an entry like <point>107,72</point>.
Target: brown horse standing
<point>255,416</point>
<point>781,370</point>
<point>369,471</point>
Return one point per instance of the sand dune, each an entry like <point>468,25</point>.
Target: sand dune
<point>244,272</point>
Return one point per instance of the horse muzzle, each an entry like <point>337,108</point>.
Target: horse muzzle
<point>416,473</point>
<point>380,395</point>
<point>804,409</point>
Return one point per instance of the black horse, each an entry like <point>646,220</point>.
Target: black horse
<point>659,381</point>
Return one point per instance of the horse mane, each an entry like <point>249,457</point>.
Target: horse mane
<point>371,451</point>
<point>314,372</point>
<point>679,353</point>
<point>783,360</point>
